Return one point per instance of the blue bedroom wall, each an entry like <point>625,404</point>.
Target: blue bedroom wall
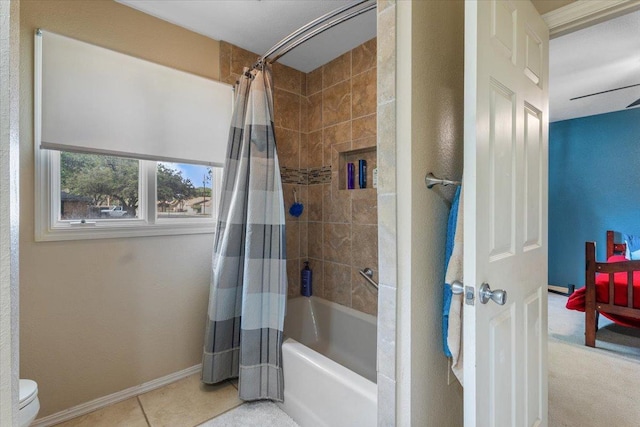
<point>594,186</point>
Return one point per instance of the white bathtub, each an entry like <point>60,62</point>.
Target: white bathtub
<point>329,360</point>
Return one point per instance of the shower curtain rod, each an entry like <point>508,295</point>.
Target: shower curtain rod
<point>292,41</point>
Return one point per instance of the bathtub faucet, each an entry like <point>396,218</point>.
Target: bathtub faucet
<point>367,273</point>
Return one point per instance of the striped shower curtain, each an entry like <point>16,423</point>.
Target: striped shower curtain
<point>249,283</point>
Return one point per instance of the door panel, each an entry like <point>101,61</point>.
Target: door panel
<point>533,359</point>
<point>502,355</point>
<point>503,28</point>
<point>533,158</point>
<point>533,57</point>
<point>502,161</point>
<point>505,213</point>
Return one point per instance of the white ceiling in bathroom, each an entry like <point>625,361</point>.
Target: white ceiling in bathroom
<point>258,25</point>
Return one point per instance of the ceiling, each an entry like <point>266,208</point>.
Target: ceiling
<point>258,25</point>
<point>599,58</point>
<point>596,59</point>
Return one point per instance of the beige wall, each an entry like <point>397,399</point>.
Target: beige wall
<point>430,49</point>
<point>99,316</point>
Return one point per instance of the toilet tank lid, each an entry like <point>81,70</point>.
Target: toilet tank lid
<point>28,392</point>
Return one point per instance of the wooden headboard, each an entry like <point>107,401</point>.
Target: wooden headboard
<point>614,248</point>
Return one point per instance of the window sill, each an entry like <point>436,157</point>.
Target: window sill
<point>67,231</point>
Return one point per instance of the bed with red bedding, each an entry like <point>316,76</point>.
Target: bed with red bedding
<point>611,288</point>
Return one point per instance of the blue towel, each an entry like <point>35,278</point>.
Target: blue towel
<point>451,233</point>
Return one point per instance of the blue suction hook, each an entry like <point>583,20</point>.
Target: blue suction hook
<point>296,208</point>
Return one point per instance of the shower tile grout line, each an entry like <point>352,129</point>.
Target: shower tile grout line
<point>331,125</point>
<point>336,263</point>
<point>335,84</point>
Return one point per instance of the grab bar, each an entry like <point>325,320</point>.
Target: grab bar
<point>367,273</point>
<point>430,180</point>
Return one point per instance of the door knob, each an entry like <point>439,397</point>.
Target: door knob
<point>499,296</point>
<point>457,288</point>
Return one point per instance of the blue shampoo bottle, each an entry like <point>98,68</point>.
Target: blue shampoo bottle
<point>362,173</point>
<point>306,280</point>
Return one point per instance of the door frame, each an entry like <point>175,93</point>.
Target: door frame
<point>581,14</point>
<point>9,221</point>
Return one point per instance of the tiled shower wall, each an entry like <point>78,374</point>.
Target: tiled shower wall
<point>342,224</point>
<point>324,119</point>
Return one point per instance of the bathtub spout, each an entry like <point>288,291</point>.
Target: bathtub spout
<point>367,273</point>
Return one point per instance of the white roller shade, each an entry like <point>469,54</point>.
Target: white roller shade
<point>100,101</point>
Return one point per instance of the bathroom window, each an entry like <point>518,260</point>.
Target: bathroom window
<point>88,196</point>
<point>107,127</point>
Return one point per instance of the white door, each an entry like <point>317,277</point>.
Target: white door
<point>505,213</point>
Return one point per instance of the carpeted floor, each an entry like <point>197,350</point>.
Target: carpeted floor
<point>568,326</point>
<point>587,386</point>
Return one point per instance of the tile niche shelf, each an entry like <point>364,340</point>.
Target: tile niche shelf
<point>352,156</point>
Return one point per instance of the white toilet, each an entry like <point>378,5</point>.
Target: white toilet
<point>29,403</point>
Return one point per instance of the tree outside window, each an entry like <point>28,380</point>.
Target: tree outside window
<point>103,182</point>
<point>98,186</point>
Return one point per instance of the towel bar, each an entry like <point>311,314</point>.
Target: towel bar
<point>430,180</point>
<point>367,273</point>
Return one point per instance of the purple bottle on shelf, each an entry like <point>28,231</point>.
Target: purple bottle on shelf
<point>350,176</point>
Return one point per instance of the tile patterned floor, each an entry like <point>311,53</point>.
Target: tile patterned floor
<point>126,413</point>
<point>186,403</point>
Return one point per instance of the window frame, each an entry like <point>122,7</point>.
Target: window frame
<point>49,226</point>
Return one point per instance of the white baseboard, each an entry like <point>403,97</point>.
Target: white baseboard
<point>101,402</point>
